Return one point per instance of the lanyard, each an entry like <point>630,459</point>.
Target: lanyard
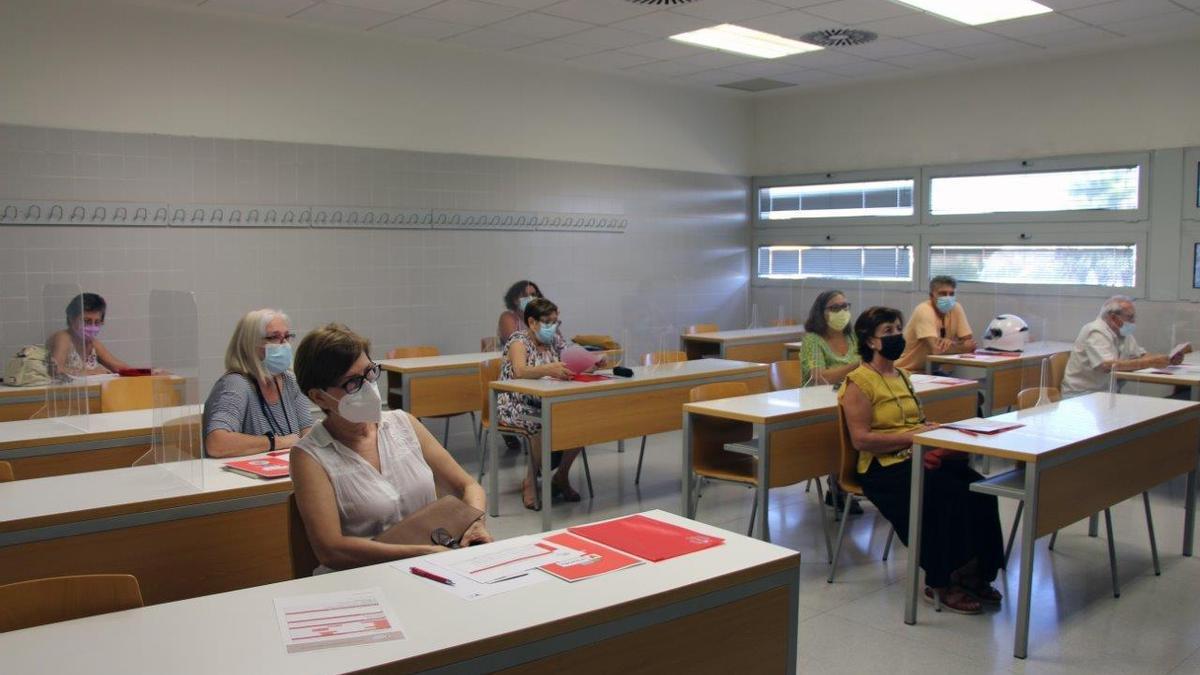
<point>896,398</point>
<point>276,428</point>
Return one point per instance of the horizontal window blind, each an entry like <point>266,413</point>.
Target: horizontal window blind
<point>1114,189</point>
<point>1103,265</point>
<point>837,200</point>
<point>879,263</point>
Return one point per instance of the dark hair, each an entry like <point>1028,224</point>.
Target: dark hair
<point>86,302</point>
<point>868,321</point>
<point>325,354</point>
<point>514,293</point>
<point>942,280</point>
<point>816,323</point>
<point>539,308</point>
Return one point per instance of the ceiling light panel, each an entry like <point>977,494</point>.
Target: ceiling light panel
<point>730,38</point>
<point>979,12</point>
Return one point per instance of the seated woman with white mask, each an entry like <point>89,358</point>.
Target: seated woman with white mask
<point>256,406</point>
<point>362,470</point>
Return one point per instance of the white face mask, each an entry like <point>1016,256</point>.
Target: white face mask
<point>362,406</point>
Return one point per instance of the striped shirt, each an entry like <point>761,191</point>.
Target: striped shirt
<point>234,405</point>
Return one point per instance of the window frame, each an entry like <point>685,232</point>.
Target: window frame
<point>834,239</point>
<point>1189,238</point>
<point>1191,186</point>
<point>1138,239</point>
<point>1043,165</point>
<point>757,184</point>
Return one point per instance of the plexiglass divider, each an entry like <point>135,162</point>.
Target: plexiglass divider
<point>74,369</point>
<point>177,444</point>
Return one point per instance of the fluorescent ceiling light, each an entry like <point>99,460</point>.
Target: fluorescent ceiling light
<point>978,12</point>
<point>730,38</point>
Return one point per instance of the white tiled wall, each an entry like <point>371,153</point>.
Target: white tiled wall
<point>683,258</point>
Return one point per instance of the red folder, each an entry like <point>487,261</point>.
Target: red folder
<point>260,467</point>
<point>600,560</point>
<point>588,377</point>
<point>647,538</point>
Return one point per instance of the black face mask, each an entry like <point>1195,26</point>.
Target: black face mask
<point>892,346</point>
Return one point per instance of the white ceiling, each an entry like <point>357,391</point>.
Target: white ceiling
<point>618,35</point>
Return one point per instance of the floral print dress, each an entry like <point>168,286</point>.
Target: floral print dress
<point>514,409</point>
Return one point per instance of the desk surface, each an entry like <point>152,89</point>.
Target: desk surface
<point>441,362</point>
<point>664,373</point>
<point>179,637</point>
<point>39,502</point>
<point>7,392</point>
<point>1186,376</point>
<point>95,426</point>
<point>747,334</point>
<point>789,404</point>
<point>1057,427</point>
<point>1033,351</point>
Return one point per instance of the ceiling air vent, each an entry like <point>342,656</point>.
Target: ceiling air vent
<point>839,37</point>
<point>756,84</point>
<point>661,3</point>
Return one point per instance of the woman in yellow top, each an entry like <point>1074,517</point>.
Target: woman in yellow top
<point>962,546</point>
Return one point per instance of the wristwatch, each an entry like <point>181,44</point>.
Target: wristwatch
<point>271,439</point>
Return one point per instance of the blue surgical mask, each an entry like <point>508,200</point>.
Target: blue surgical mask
<point>278,358</point>
<point>546,333</point>
<point>523,302</point>
<point>945,303</point>
<point>1127,329</point>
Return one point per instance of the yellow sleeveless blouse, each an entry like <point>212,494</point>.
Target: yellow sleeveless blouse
<point>894,409</point>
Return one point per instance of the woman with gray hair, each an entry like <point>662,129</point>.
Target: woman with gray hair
<point>256,405</point>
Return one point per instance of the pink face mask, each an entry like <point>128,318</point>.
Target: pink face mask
<point>92,332</point>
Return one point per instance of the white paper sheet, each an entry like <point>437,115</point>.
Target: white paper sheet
<point>331,619</point>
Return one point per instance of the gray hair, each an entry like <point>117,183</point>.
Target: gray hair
<point>242,354</point>
<point>1114,305</point>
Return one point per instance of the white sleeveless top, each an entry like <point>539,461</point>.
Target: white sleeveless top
<point>371,501</point>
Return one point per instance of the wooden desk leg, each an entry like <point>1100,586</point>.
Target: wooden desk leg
<point>762,529</point>
<point>686,488</point>
<point>915,506</point>
<point>547,453</point>
<point>1189,506</point>
<point>493,495</point>
<point>1028,540</point>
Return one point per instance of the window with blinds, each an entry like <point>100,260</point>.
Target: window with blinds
<point>837,200</point>
<point>1102,265</point>
<point>1196,266</point>
<point>1113,189</point>
<point>874,263</point>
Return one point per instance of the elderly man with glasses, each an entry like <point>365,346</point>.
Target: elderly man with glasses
<point>1107,344</point>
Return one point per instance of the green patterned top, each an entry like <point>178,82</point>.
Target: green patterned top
<point>816,353</point>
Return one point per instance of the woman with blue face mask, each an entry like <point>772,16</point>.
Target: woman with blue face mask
<point>512,319</point>
<point>534,353</point>
<point>256,406</point>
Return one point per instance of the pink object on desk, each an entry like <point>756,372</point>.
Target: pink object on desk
<point>578,359</point>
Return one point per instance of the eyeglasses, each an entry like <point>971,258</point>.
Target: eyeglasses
<point>837,308</point>
<point>93,322</point>
<point>279,338</point>
<point>355,383</point>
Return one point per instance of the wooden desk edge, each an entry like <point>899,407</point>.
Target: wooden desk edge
<point>617,384</point>
<point>74,437</point>
<point>705,407</point>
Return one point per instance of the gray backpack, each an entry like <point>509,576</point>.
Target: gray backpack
<point>29,368</point>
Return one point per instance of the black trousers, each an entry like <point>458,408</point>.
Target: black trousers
<point>958,525</point>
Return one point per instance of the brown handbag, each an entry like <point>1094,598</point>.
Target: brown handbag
<point>421,527</point>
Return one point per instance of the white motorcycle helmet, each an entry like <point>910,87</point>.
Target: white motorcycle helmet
<point>1006,333</point>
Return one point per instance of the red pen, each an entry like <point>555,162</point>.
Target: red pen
<point>430,575</point>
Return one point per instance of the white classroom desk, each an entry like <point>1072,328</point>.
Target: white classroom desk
<point>1081,456</point>
<point>1002,376</point>
<point>51,446</point>
<point>432,386</point>
<point>180,539</point>
<point>717,610</point>
<point>797,430</point>
<point>22,403</point>
<point>1189,379</point>
<point>578,414</point>
<point>764,345</point>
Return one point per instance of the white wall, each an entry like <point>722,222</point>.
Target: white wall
<point>1140,99</point>
<point>106,65</point>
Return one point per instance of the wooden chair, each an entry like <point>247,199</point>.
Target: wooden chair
<point>701,328</point>
<point>654,359</point>
<point>304,559</point>
<point>138,393</point>
<point>849,485</point>
<point>779,323</point>
<point>1058,368</point>
<point>710,460</point>
<point>6,472</point>
<point>489,371</point>
<point>396,398</point>
<point>786,375</point>
<point>41,601</point>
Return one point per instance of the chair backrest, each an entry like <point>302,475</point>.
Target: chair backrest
<point>304,559</point>
<point>701,328</point>
<point>489,344</point>
<point>182,438</point>
<point>1058,368</point>
<point>783,322</point>
<point>6,472</point>
<point>412,352</point>
<point>848,465</point>
<point>489,371</point>
<point>786,375</point>
<point>1028,398</point>
<point>655,358</point>
<point>40,601</point>
<point>138,393</point>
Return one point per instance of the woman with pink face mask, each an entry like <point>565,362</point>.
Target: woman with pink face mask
<point>78,350</point>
